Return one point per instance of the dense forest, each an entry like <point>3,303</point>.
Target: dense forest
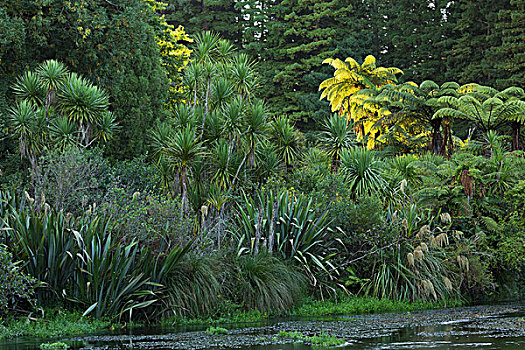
<point>201,158</point>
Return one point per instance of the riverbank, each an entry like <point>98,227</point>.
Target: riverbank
<point>58,323</point>
<point>51,324</point>
<point>319,308</point>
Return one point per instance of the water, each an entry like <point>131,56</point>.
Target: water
<point>483,327</point>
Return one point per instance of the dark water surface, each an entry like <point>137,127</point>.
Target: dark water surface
<point>483,327</point>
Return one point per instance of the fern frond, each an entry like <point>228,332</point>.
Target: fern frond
<point>450,113</point>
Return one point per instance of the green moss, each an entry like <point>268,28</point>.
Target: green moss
<point>53,324</point>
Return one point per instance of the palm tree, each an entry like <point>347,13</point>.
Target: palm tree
<point>351,77</point>
<point>336,137</point>
<point>232,115</point>
<point>255,128</point>
<point>83,103</point>
<point>182,150</point>
<point>409,104</point>
<point>21,122</point>
<point>363,172</point>
<point>285,140</point>
<point>221,160</point>
<point>514,95</point>
<point>63,132</point>
<point>52,75</point>
<point>29,88</point>
<point>243,75</point>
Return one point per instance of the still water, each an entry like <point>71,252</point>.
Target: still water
<point>482,327</point>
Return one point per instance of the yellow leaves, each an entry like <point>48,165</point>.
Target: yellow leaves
<point>352,63</point>
<point>369,62</point>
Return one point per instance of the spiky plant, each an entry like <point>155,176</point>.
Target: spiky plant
<point>285,140</point>
<point>363,172</point>
<point>336,137</point>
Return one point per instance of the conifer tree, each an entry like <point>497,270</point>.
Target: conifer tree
<point>508,59</point>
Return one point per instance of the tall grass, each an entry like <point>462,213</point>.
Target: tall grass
<point>267,284</point>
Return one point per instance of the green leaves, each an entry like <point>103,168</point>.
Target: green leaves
<point>363,172</point>
<point>29,87</point>
<point>52,74</point>
<point>336,137</point>
<point>81,101</point>
<point>61,109</point>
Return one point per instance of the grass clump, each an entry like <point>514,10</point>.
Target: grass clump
<point>367,305</point>
<point>53,324</point>
<point>322,340</point>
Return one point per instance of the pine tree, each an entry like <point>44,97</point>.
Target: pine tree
<point>508,59</point>
<point>221,16</point>
<point>475,35</point>
<point>301,34</point>
<point>413,37</point>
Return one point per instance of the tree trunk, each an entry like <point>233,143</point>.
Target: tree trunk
<point>515,135</point>
<point>184,189</point>
<point>220,227</point>
<point>205,106</point>
<point>271,234</point>
<point>437,138</point>
<point>448,146</point>
<point>258,229</point>
<point>335,164</point>
<point>251,157</point>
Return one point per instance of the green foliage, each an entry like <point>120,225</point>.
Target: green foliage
<point>81,260</point>
<point>266,283</point>
<point>53,346</point>
<point>216,330</point>
<point>52,323</point>
<point>16,288</point>
<point>363,172</point>
<point>58,109</point>
<point>148,218</point>
<point>322,340</point>
<point>72,180</point>
<point>194,288</point>
<point>112,46</point>
<point>367,305</point>
<point>287,225</point>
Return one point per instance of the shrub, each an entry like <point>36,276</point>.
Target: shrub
<point>16,288</point>
<point>71,179</point>
<point>288,225</point>
<point>151,219</point>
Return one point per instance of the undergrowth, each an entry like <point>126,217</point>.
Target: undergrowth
<point>366,305</point>
<point>53,324</point>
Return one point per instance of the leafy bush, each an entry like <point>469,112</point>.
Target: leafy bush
<point>82,260</point>
<point>149,218</point>
<point>16,288</point>
<point>71,179</point>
